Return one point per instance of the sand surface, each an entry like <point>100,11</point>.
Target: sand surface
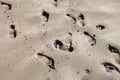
<point>60,40</point>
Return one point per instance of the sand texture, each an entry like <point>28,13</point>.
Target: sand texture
<point>59,39</point>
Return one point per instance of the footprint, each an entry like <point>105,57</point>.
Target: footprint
<point>46,60</point>
<point>12,32</point>
<point>113,49</point>
<point>9,5</point>
<point>62,45</point>
<point>110,67</point>
<point>100,27</point>
<point>71,18</point>
<point>90,38</point>
<point>44,16</point>
<point>81,19</point>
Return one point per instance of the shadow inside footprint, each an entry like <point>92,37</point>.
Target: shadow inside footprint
<point>110,67</point>
<point>45,14</point>
<point>15,33</point>
<point>86,33</point>
<point>51,60</point>
<point>9,5</point>
<point>91,38</point>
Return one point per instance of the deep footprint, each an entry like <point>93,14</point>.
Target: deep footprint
<point>12,31</point>
<point>9,5</point>
<point>91,38</point>
<point>109,67</point>
<point>46,60</point>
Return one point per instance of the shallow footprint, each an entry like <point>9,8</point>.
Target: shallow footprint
<point>71,18</point>
<point>12,32</point>
<point>46,60</point>
<point>90,38</point>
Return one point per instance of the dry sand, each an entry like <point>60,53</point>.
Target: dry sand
<point>60,40</point>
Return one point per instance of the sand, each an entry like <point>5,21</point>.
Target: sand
<point>59,40</point>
